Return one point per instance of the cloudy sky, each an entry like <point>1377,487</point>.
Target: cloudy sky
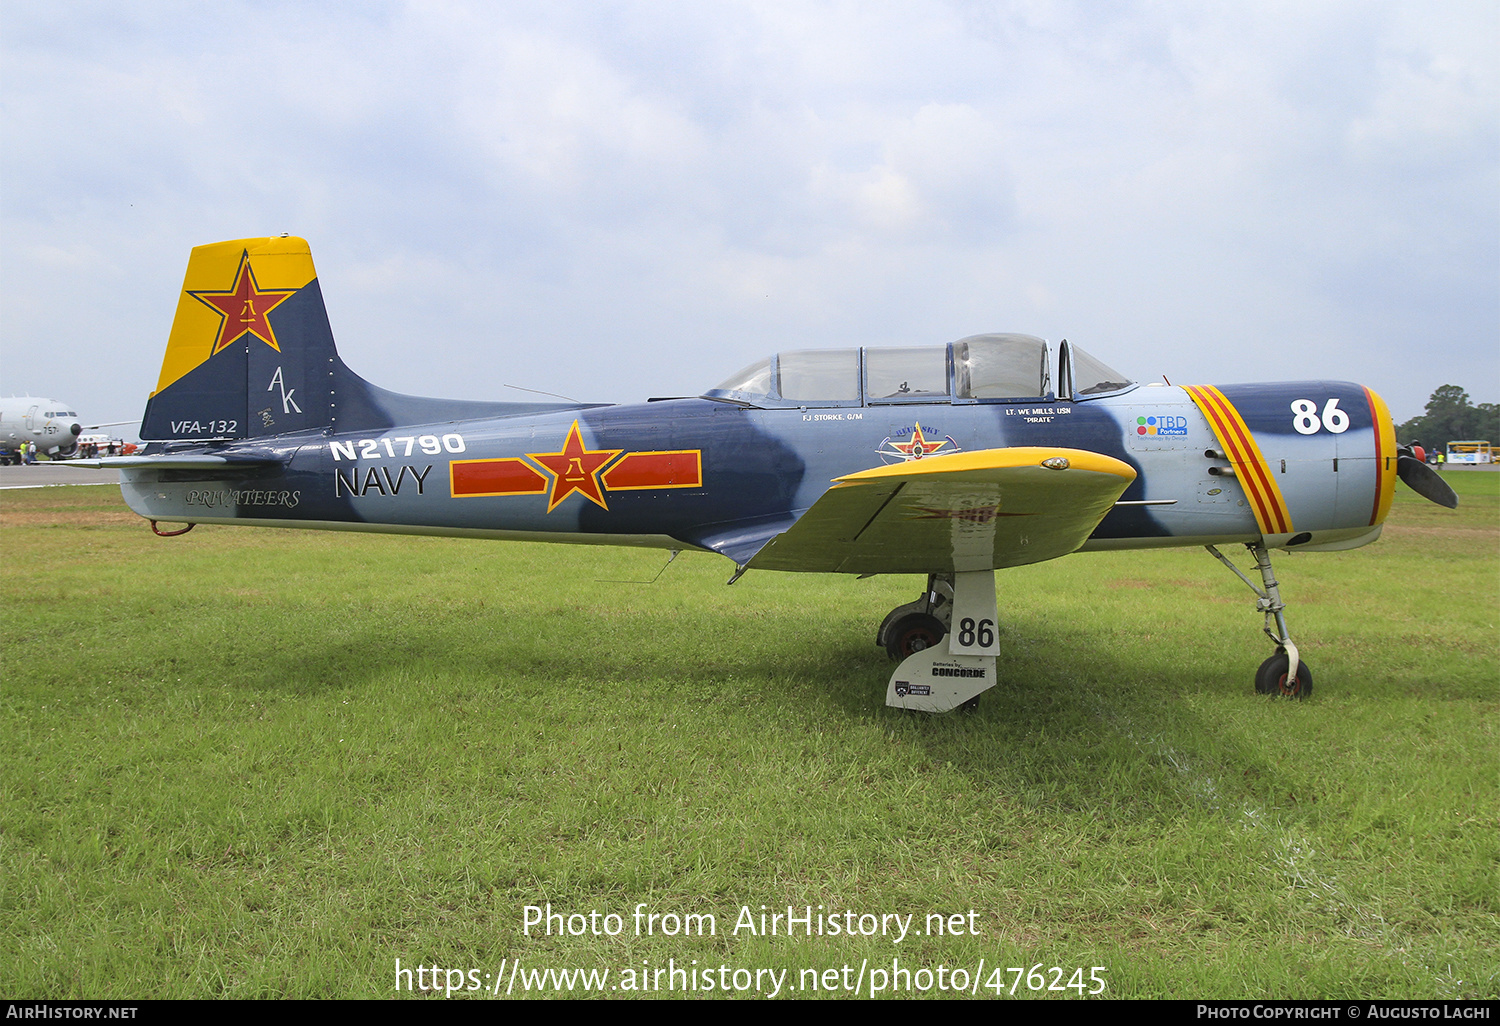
<point>613,200</point>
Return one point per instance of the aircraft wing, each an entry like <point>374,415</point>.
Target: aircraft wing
<point>950,514</point>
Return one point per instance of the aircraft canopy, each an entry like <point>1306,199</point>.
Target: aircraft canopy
<point>975,369</point>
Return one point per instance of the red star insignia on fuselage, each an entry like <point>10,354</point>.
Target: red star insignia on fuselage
<point>244,308</point>
<point>575,469</point>
<point>918,446</point>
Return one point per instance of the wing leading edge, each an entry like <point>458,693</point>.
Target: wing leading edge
<point>950,514</point>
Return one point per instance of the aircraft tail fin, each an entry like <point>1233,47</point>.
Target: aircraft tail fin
<point>251,354</point>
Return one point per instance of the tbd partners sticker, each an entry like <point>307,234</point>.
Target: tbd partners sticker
<point>1162,425</point>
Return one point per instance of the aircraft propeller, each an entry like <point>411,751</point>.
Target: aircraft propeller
<point>1423,480</point>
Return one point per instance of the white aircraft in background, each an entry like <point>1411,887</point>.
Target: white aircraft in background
<point>51,423</point>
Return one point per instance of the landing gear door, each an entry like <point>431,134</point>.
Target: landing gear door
<point>972,631</point>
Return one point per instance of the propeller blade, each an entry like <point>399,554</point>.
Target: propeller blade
<point>1423,480</point>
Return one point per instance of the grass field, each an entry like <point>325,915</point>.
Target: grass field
<point>254,763</point>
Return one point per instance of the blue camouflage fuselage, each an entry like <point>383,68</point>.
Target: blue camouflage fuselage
<point>727,477</point>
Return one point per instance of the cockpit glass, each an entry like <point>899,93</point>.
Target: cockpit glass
<point>1091,377</point>
<point>818,375</point>
<point>906,373</point>
<point>1000,367</point>
<point>993,367</point>
<point>754,379</point>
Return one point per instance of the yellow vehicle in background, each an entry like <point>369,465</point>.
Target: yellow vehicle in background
<point>1470,453</point>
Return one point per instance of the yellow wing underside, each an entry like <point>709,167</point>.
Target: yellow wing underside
<point>950,514</point>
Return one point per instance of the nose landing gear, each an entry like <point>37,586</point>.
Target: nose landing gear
<point>1272,678</point>
<point>1284,673</point>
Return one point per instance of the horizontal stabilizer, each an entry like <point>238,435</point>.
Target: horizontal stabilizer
<point>950,514</point>
<point>186,461</point>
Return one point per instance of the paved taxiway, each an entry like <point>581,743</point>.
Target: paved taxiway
<point>40,475</point>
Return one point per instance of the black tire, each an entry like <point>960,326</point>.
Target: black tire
<point>1270,679</point>
<point>913,633</point>
<point>885,625</point>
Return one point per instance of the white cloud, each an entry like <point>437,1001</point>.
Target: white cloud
<point>1218,192</point>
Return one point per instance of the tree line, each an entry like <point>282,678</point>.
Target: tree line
<point>1451,417</point>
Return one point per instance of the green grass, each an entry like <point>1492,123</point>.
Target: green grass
<point>248,763</point>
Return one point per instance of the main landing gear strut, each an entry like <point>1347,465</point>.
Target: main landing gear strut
<point>1284,673</point>
<point>946,642</point>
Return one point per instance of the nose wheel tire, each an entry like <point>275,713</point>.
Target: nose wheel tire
<point>913,633</point>
<point>1271,678</point>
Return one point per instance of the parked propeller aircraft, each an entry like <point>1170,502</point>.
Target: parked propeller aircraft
<point>952,461</point>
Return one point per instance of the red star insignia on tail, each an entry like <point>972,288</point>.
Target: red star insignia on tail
<point>575,469</point>
<point>244,308</point>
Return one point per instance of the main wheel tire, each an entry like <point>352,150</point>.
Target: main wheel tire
<point>913,633</point>
<point>1271,679</point>
<point>890,618</point>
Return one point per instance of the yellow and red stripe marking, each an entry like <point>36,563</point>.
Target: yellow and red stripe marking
<point>509,476</point>
<point>1385,458</point>
<point>636,471</point>
<point>1250,466</point>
